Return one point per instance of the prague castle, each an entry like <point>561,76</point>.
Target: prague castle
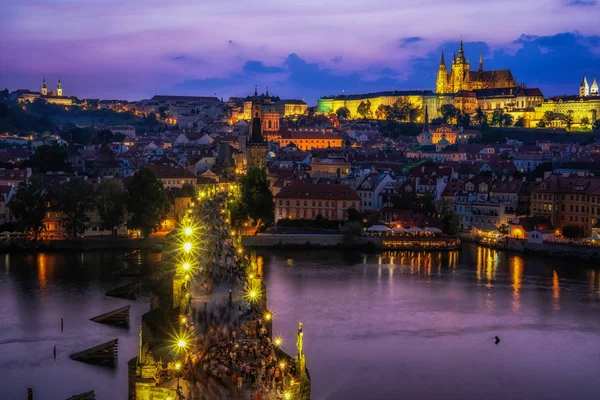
<point>461,77</point>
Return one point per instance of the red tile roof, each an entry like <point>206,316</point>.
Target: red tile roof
<point>324,191</point>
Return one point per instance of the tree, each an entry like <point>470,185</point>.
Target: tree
<point>585,123</point>
<point>104,136</point>
<point>382,112</point>
<point>507,120</point>
<point>343,113</point>
<point>256,196</point>
<point>503,229</point>
<point>50,158</point>
<point>402,110</point>
<point>481,118</point>
<point>498,117</point>
<point>353,215</point>
<point>437,121</point>
<point>572,231</point>
<point>569,119</point>
<point>147,201</point>
<point>596,126</point>
<point>464,120</point>
<point>364,109</point>
<point>163,111</point>
<point>29,206</point>
<point>449,113</point>
<point>547,118</point>
<point>520,122</point>
<point>351,230</point>
<point>188,189</point>
<point>110,200</point>
<point>73,199</point>
<point>541,124</point>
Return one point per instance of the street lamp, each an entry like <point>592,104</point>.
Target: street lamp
<point>177,368</point>
<point>186,266</point>
<point>277,341</point>
<point>187,247</point>
<point>188,231</point>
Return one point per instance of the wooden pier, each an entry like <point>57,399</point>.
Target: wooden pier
<point>126,291</point>
<point>106,353</point>
<point>119,317</point>
<point>84,396</point>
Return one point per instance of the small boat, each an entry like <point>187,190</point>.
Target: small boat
<point>131,256</point>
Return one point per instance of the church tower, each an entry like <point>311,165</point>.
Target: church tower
<point>480,63</point>
<point>256,147</point>
<point>584,88</point>
<point>460,71</point>
<point>594,87</point>
<point>442,77</point>
<point>59,88</point>
<point>44,88</point>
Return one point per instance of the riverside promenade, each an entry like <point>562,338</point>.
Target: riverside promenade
<point>208,334</point>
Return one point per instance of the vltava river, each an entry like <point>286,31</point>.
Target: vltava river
<point>395,326</point>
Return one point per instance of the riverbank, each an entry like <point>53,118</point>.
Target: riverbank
<point>87,244</point>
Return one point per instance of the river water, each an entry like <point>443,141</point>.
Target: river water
<point>377,326</point>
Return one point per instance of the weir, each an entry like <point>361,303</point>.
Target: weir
<point>208,334</point>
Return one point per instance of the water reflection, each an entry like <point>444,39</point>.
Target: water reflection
<point>516,273</point>
<point>556,290</point>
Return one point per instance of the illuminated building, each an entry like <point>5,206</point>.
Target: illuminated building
<point>173,176</point>
<point>47,96</point>
<point>308,200</point>
<point>568,200</point>
<point>461,77</point>
<point>270,105</point>
<point>308,139</point>
<point>257,146</point>
<point>580,108</point>
<point>444,134</point>
<point>418,98</point>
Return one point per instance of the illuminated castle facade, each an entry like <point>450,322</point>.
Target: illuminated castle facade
<point>460,77</point>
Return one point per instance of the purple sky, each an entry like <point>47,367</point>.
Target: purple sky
<point>132,49</point>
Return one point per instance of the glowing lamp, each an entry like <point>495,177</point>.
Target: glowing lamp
<point>277,341</point>
<point>282,365</point>
<point>178,366</point>
<point>188,231</point>
<point>187,247</point>
<point>181,343</point>
<point>287,395</point>
<point>186,266</point>
<point>268,316</point>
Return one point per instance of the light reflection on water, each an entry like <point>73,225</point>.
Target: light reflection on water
<point>421,325</point>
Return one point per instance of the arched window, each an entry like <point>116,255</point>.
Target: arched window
<point>269,124</point>
<point>256,115</point>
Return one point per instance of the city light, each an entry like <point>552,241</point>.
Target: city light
<point>186,266</point>
<point>268,316</point>
<point>178,366</point>
<point>188,231</point>
<point>287,395</point>
<point>181,343</point>
<point>282,365</point>
<point>278,341</point>
<point>187,247</point>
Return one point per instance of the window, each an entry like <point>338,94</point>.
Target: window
<point>287,202</point>
<point>305,203</point>
<point>297,203</point>
<point>280,202</point>
<point>319,204</point>
<point>313,203</point>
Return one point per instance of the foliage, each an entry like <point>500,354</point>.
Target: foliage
<point>29,206</point>
<point>498,117</point>
<point>449,219</point>
<point>572,231</point>
<point>585,123</point>
<point>73,199</point>
<point>520,122</point>
<point>364,109</point>
<point>50,158</point>
<point>547,118</point>
<point>188,190</point>
<point>350,230</point>
<point>76,135</point>
<point>569,119</point>
<point>256,196</point>
<point>596,126</point>
<point>147,201</point>
<point>403,111</point>
<point>437,121</point>
<point>110,200</point>
<point>507,120</point>
<point>464,120</point>
<point>503,229</point>
<point>103,136</point>
<point>480,118</point>
<point>342,113</point>
<point>449,113</point>
<point>541,124</point>
<point>381,112</point>
<point>353,215</point>
<point>422,203</point>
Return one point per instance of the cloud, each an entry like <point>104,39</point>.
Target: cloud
<point>187,59</point>
<point>582,3</point>
<point>337,59</point>
<point>407,41</point>
<point>257,67</point>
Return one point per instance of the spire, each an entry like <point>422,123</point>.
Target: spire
<point>255,91</point>
<point>584,82</point>
<point>480,62</point>
<point>454,58</point>
<point>442,61</point>
<point>461,51</point>
<point>267,92</point>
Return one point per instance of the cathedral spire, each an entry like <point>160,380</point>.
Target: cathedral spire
<point>480,62</point>
<point>461,51</point>
<point>267,92</point>
<point>454,58</point>
<point>442,61</point>
<point>255,90</point>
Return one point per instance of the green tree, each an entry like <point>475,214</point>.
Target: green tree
<point>503,229</point>
<point>73,199</point>
<point>449,113</point>
<point>188,189</point>
<point>163,111</point>
<point>520,122</point>
<point>364,109</point>
<point>541,124</point>
<point>569,119</point>
<point>498,117</point>
<point>572,231</point>
<point>257,197</point>
<point>343,113</point>
<point>104,136</point>
<point>147,201</point>
<point>382,112</point>
<point>351,230</point>
<point>547,118</point>
<point>585,123</point>
<point>353,215</point>
<point>507,120</point>
<point>464,120</point>
<point>481,118</point>
<point>596,126</point>
<point>29,206</point>
<point>110,200</point>
<point>50,158</point>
